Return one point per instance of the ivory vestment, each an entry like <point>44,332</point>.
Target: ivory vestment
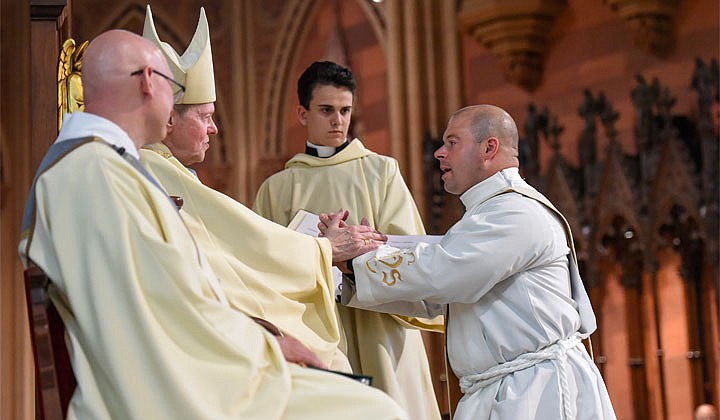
<point>150,333</point>
<point>511,283</point>
<point>371,186</point>
<point>267,271</point>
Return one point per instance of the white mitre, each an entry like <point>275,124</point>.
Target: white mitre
<point>194,68</point>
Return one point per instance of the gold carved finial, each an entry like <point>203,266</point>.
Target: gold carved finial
<point>70,90</point>
<point>650,21</point>
<point>516,31</point>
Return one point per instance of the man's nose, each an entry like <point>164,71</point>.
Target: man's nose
<point>212,129</point>
<point>440,152</point>
<point>336,118</point>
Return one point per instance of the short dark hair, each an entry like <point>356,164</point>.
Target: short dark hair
<point>323,73</point>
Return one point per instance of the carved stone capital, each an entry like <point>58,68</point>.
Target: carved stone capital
<point>516,31</point>
<point>649,21</point>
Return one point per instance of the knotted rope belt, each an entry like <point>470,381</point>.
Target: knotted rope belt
<point>556,351</point>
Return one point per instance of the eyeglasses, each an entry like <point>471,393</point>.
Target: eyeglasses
<point>178,88</point>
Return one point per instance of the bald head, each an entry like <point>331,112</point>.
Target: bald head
<point>478,142</point>
<point>111,57</point>
<point>706,412</point>
<point>132,102</point>
<point>491,121</point>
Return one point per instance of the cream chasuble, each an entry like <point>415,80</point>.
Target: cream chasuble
<point>148,334</point>
<point>516,302</point>
<point>266,270</point>
<point>368,185</point>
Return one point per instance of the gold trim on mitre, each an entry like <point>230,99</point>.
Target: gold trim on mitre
<point>194,68</point>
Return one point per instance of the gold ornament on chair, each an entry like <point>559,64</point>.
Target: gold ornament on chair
<point>70,90</point>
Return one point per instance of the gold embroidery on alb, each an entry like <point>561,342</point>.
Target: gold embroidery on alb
<point>414,258</point>
<point>367,264</point>
<point>392,262</point>
<point>394,275</point>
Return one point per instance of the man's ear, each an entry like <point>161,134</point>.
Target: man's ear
<point>492,146</point>
<point>302,115</point>
<point>171,121</point>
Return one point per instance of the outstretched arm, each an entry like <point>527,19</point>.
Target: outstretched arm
<point>348,241</point>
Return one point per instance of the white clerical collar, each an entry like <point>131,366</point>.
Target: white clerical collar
<point>324,151</point>
<point>488,187</point>
<point>84,124</point>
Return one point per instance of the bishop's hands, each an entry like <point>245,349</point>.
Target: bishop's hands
<point>349,241</point>
<point>295,352</point>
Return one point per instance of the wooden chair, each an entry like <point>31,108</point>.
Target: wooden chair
<point>54,378</point>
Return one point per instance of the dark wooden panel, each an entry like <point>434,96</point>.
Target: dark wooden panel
<point>45,49</point>
<point>47,9</point>
<point>16,396</point>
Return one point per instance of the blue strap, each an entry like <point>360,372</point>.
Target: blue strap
<point>132,160</point>
<point>56,152</point>
<point>59,150</point>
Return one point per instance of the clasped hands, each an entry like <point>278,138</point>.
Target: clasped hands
<point>349,241</point>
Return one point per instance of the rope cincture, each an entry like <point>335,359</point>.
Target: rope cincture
<point>556,351</point>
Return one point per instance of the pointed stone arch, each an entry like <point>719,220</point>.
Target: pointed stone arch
<point>294,21</point>
<point>615,196</point>
<point>293,27</point>
<point>135,12</point>
<point>674,184</point>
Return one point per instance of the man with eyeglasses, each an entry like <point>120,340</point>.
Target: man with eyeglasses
<point>178,88</point>
<point>150,331</point>
<point>266,270</point>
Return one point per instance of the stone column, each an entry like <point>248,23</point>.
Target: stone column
<point>424,80</point>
